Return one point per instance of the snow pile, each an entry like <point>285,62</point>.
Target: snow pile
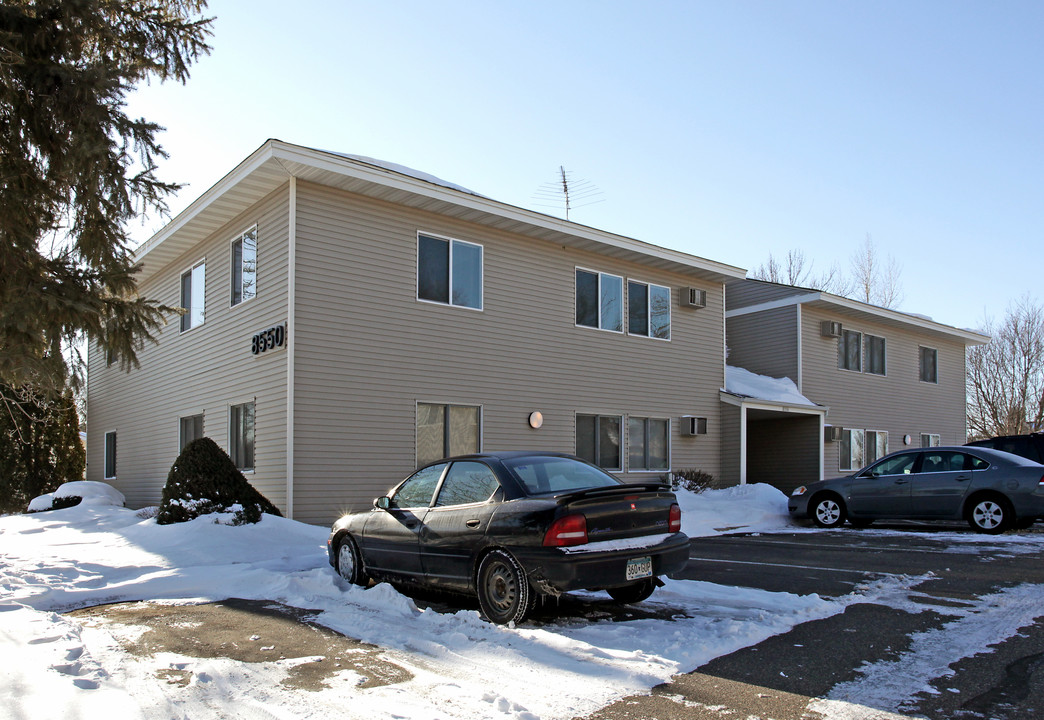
<point>743,508</point>
<point>90,492</point>
<point>462,666</point>
<point>404,170</point>
<point>761,387</point>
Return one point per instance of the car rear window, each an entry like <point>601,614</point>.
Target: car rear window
<point>543,475</point>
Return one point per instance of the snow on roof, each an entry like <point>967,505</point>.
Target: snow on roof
<point>739,381</point>
<point>403,170</point>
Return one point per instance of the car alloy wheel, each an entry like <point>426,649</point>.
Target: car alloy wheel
<point>349,565</point>
<point>989,515</point>
<point>504,593</point>
<point>828,512</point>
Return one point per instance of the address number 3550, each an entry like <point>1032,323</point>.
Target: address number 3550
<point>270,339</point>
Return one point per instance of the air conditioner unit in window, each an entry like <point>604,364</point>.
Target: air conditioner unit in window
<point>693,297</point>
<point>832,433</point>
<point>831,328</point>
<point>692,425</point>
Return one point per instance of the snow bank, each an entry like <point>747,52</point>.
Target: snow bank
<point>743,508</point>
<point>91,492</point>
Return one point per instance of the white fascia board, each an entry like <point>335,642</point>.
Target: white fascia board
<point>757,404</point>
<point>970,337</point>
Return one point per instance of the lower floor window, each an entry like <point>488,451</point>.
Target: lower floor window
<point>598,440</point>
<point>191,428</point>
<point>929,439</point>
<point>648,443</point>
<point>876,445</point>
<point>446,430</point>
<point>241,435</point>
<point>852,447</point>
<point>110,455</point>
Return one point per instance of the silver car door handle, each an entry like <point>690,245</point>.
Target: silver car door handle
<point>901,482</point>
<point>473,523</point>
<point>964,478</point>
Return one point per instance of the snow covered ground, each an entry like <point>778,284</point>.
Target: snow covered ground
<point>463,667</point>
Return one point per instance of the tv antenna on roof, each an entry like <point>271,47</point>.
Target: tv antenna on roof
<point>564,190</point>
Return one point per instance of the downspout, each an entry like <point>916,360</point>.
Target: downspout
<point>291,325</point>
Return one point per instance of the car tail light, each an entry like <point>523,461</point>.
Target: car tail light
<point>567,530</point>
<point>674,519</point>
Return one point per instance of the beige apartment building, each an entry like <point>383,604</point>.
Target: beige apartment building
<point>347,320</point>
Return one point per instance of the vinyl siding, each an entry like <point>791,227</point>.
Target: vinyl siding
<point>765,342</point>
<point>898,402</point>
<point>202,371</point>
<point>744,293</point>
<point>368,351</point>
<point>730,445</point>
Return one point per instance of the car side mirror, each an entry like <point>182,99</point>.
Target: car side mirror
<point>382,503</point>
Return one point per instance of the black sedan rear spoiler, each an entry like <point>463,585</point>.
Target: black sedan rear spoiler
<point>625,489</point>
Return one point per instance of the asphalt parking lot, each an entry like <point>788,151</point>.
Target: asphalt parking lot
<point>951,572</point>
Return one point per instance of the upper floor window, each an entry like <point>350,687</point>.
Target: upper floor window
<point>648,310</point>
<point>875,355</point>
<point>193,295</point>
<point>599,300</point>
<point>244,267</point>
<point>850,350</point>
<point>929,365</point>
<point>449,272</point>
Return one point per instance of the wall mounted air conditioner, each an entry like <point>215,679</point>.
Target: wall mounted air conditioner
<point>831,328</point>
<point>832,433</point>
<point>693,297</point>
<point>692,425</point>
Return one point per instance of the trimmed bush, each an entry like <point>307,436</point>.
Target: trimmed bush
<point>691,479</point>
<point>204,480</point>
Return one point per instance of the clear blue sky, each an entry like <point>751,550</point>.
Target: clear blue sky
<point>728,129</point>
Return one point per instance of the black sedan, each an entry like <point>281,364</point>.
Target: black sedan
<point>511,527</point>
<point>990,489</point>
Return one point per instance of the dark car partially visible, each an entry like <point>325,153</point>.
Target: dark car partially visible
<point>1029,446</point>
<point>992,490</point>
<point>511,527</point>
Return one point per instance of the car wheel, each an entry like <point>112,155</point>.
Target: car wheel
<point>990,514</point>
<point>828,511</point>
<point>633,593</point>
<point>504,593</point>
<point>349,563</point>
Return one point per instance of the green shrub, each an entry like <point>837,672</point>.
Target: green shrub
<point>204,480</point>
<point>691,479</point>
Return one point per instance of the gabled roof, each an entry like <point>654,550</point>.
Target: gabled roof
<point>790,295</point>
<point>274,163</point>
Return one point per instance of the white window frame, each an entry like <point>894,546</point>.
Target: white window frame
<point>482,271</point>
<point>934,440</point>
<point>920,364</point>
<point>646,419</point>
<point>849,462</point>
<point>232,275</point>
<point>623,300</point>
<point>622,445</point>
<point>878,451</point>
<point>181,428</point>
<point>648,309</point>
<point>866,352</point>
<point>202,263</point>
<point>842,354</point>
<point>233,444</point>
<point>105,457</point>
<point>446,426</point>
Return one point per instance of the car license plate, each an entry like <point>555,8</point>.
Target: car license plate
<point>639,568</point>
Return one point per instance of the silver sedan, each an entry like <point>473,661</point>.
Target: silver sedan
<point>992,490</point>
